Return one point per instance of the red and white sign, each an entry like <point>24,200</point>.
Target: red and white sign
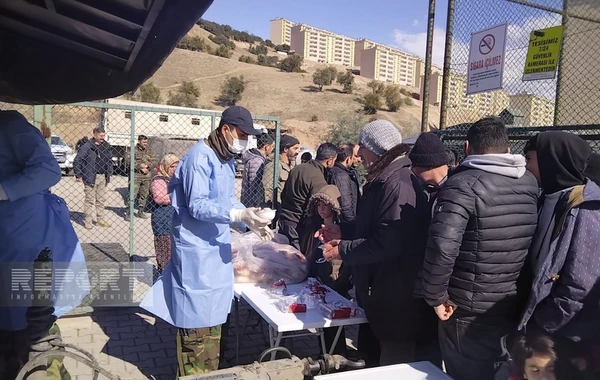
<point>486,60</point>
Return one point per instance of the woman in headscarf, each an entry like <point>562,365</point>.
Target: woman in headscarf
<point>162,211</point>
<point>565,295</point>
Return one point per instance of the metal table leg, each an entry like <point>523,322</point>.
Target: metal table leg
<point>237,330</point>
<point>335,340</point>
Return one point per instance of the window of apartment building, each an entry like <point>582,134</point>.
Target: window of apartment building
<point>163,118</point>
<point>127,114</point>
<point>195,121</point>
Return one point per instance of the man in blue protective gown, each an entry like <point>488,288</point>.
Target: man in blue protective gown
<point>32,219</point>
<point>196,289</point>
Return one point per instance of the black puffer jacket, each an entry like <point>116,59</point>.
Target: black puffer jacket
<point>479,236</point>
<point>386,251</point>
<point>347,182</point>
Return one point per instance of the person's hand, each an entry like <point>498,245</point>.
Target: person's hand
<point>79,179</point>
<point>265,233</point>
<point>249,217</point>
<point>328,233</point>
<point>331,250</point>
<point>444,311</point>
<point>144,168</point>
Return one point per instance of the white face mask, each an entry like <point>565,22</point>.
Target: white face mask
<point>238,146</point>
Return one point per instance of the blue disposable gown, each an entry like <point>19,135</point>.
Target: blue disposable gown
<point>32,219</point>
<point>196,288</point>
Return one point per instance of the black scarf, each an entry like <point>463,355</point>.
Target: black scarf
<point>218,143</point>
<point>562,157</point>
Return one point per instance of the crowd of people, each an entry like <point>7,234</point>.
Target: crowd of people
<point>489,265</point>
<point>482,264</point>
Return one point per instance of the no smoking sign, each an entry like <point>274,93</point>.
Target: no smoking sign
<point>487,44</point>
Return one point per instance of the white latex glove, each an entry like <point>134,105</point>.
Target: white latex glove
<point>248,217</point>
<point>265,233</point>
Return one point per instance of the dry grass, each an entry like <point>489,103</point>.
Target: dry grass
<point>275,93</point>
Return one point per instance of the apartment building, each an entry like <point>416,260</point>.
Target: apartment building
<point>484,104</point>
<point>386,64</point>
<point>537,111</point>
<point>281,31</point>
<point>320,45</point>
<point>435,87</point>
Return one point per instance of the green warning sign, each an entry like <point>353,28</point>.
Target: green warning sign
<point>542,54</point>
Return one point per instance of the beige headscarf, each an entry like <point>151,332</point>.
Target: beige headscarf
<point>163,167</point>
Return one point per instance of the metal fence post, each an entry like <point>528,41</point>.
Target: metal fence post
<point>427,79</point>
<point>213,122</point>
<point>559,75</point>
<point>447,62</point>
<point>131,196</point>
<point>276,162</point>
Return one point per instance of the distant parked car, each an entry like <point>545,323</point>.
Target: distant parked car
<point>64,154</point>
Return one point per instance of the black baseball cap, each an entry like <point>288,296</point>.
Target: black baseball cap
<point>241,118</point>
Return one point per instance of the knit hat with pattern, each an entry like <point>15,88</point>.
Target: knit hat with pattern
<point>379,136</point>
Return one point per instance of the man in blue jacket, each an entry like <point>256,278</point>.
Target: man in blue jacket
<point>195,291</point>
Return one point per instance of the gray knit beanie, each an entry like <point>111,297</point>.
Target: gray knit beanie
<point>379,136</point>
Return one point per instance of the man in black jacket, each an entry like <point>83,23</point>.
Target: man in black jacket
<point>93,166</point>
<point>345,178</point>
<point>483,223</point>
<point>304,181</point>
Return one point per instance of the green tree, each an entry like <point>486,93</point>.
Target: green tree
<point>150,93</point>
<point>189,88</point>
<point>371,103</point>
<point>195,43</point>
<point>346,128</point>
<point>186,95</point>
<point>324,77</point>
<point>377,87</point>
<point>284,47</point>
<point>223,51</point>
<point>232,90</point>
<point>147,93</point>
<point>405,92</point>
<point>223,40</point>
<point>260,49</point>
<point>292,64</point>
<point>393,98</point>
<point>347,80</point>
<point>270,44</point>
<point>246,59</point>
<point>182,100</point>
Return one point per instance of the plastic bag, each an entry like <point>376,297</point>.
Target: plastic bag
<point>266,262</point>
<point>290,304</point>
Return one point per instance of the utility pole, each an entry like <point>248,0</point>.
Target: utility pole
<point>447,62</point>
<point>427,79</point>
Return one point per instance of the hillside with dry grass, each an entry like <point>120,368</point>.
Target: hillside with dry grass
<point>306,113</point>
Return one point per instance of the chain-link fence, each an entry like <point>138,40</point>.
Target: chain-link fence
<point>568,97</point>
<point>117,191</point>
<point>454,138</point>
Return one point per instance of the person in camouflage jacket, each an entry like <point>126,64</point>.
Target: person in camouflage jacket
<point>142,176</point>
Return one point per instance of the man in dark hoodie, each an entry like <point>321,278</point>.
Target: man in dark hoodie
<point>253,190</point>
<point>565,296</point>
<point>304,181</point>
<point>480,232</point>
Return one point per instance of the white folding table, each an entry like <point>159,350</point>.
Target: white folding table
<point>409,371</point>
<point>291,323</point>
